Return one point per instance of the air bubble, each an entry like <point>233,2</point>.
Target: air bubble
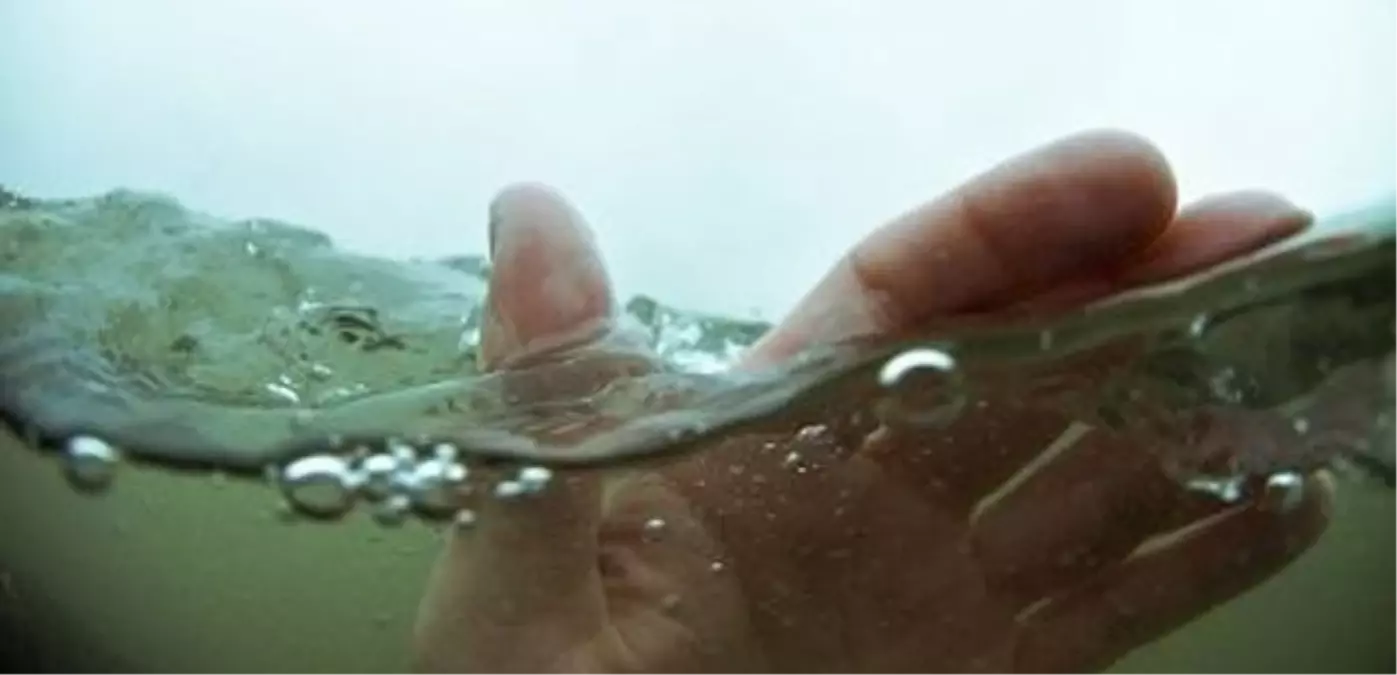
<point>1227,489</point>
<point>376,475</point>
<point>1284,491</point>
<point>465,519</point>
<point>535,478</point>
<point>529,480</point>
<point>392,511</point>
<point>1199,326</point>
<point>321,485</point>
<point>90,462</point>
<point>1301,425</point>
<point>920,403</point>
<point>509,489</point>
<point>445,452</point>
<point>431,485</point>
<point>653,527</point>
<point>402,452</point>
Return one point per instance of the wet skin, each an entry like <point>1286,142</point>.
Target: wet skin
<point>909,550</point>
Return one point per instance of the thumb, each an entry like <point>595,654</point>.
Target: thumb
<point>549,285</point>
<point>521,587</point>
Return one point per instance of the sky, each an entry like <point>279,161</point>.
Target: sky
<point>726,152</point>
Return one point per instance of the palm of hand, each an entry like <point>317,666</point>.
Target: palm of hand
<point>959,548</point>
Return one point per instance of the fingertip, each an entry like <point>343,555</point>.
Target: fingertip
<point>549,280</point>
<point>524,200</point>
<point>1215,229</point>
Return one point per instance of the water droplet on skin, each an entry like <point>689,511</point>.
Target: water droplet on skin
<point>321,485</point>
<point>90,462</point>
<point>918,403</point>
<point>716,566</point>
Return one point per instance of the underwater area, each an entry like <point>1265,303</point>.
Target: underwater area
<point>233,447</point>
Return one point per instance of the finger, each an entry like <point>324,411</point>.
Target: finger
<point>977,453</point>
<point>1164,586</point>
<point>549,284</point>
<point>1208,232</point>
<point>1088,507</point>
<point>1214,230</point>
<point>1054,214</point>
<point>514,591</point>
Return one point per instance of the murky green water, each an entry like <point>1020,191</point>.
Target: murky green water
<point>255,382</point>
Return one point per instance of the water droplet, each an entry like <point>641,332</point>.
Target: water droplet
<point>90,462</point>
<point>915,402</point>
<point>716,566</point>
<point>1284,491</point>
<point>1301,425</point>
<point>321,485</point>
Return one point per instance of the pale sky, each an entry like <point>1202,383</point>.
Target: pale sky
<point>727,152</point>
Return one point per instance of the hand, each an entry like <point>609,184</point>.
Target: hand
<point>914,551</point>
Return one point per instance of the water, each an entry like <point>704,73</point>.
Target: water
<point>345,385</point>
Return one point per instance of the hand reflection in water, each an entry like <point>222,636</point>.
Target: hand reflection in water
<point>915,551</point>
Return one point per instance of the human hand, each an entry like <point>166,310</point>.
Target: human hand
<point>1009,540</point>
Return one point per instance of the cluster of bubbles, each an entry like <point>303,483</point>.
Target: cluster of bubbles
<point>924,388</point>
<point>398,481</point>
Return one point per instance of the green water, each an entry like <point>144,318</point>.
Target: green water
<point>224,322</point>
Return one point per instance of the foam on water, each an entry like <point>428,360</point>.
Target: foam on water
<point>206,344</point>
